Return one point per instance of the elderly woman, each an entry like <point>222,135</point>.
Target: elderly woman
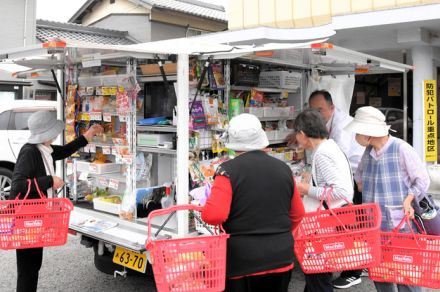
<point>255,198</point>
<point>330,171</point>
<point>390,172</point>
<point>36,160</point>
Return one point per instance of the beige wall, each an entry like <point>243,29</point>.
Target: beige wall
<point>303,13</point>
<point>104,8</point>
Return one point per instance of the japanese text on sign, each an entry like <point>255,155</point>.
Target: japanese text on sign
<point>430,121</point>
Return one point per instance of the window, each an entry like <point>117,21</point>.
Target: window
<point>195,32</point>
<point>395,115</point>
<point>4,120</point>
<point>19,120</point>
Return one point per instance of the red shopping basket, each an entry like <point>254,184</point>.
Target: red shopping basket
<point>408,258</point>
<point>190,263</point>
<point>339,239</point>
<point>31,223</point>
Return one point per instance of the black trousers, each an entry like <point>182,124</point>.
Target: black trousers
<point>28,265</point>
<point>275,282</point>
<point>357,200</point>
<point>318,282</point>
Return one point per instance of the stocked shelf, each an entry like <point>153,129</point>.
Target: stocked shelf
<point>272,61</point>
<point>156,78</point>
<point>156,150</point>
<point>277,141</point>
<point>263,89</point>
<point>115,176</point>
<point>268,119</point>
<point>157,128</point>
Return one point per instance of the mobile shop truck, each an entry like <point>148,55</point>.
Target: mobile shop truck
<point>140,164</point>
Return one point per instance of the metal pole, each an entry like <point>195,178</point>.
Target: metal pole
<point>405,101</point>
<point>182,141</point>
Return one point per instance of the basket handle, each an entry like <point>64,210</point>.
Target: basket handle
<point>42,196</point>
<point>327,194</point>
<point>171,210</point>
<point>406,218</point>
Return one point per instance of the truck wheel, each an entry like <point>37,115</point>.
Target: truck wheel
<point>104,263</point>
<point>5,183</point>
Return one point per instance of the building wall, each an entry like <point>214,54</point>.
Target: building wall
<point>104,8</point>
<point>163,31</point>
<point>17,29</point>
<point>303,13</point>
<point>138,26</point>
<point>186,20</point>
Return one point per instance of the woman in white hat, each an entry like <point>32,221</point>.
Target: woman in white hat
<point>36,160</point>
<point>331,178</point>
<point>390,173</point>
<point>255,199</point>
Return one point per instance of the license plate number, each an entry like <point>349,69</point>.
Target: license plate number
<point>130,259</point>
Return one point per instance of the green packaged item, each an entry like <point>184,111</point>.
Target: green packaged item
<point>235,105</point>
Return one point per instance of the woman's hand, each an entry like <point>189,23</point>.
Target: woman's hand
<point>407,207</point>
<point>303,188</point>
<point>57,182</point>
<point>93,131</point>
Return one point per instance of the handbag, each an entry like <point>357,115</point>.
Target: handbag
<point>428,213</point>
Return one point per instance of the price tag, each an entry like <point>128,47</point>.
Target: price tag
<point>83,175</point>
<point>127,159</point>
<point>114,150</point>
<point>86,148</point>
<point>84,117</point>
<point>122,118</point>
<point>103,182</point>
<point>107,118</point>
<point>106,150</point>
<point>93,168</point>
<point>95,117</point>
<point>113,184</point>
<point>92,148</point>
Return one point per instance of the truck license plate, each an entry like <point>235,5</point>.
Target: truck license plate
<point>130,259</point>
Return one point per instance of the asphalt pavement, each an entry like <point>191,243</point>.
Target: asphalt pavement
<point>70,268</point>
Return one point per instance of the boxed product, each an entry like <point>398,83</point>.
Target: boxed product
<point>153,140</point>
<point>153,69</point>
<point>98,168</point>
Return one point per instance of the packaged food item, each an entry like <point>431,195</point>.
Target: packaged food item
<point>210,108</point>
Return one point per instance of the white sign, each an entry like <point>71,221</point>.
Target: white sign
<point>107,117</point>
<point>106,150</point>
<point>93,60</point>
<point>113,184</point>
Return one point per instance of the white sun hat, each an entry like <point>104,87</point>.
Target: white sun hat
<point>368,121</point>
<point>245,134</point>
<point>44,127</point>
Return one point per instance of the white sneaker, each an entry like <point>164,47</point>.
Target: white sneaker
<point>343,283</point>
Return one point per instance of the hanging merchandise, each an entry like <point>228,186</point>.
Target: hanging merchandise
<point>197,117</point>
<point>122,101</point>
<point>235,107</point>
<point>256,99</point>
<point>210,108</point>
<point>72,106</point>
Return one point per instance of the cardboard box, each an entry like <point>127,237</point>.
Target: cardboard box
<point>153,69</point>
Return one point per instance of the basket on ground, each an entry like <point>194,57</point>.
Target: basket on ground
<point>31,223</point>
<point>408,259</point>
<point>190,263</point>
<point>339,239</point>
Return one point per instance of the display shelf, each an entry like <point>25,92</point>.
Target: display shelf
<point>102,144</point>
<point>116,176</point>
<point>273,61</point>
<point>263,89</point>
<point>268,119</point>
<point>157,128</point>
<point>277,141</point>
<point>157,78</point>
<point>157,150</point>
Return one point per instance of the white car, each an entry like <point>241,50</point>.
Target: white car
<point>14,133</point>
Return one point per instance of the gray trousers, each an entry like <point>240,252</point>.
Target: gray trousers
<point>390,287</point>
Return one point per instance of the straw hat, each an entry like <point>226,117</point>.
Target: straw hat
<point>44,127</point>
<point>245,134</point>
<point>368,121</point>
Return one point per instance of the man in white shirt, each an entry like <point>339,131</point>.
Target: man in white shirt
<point>336,120</point>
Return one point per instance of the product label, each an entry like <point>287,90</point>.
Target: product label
<point>33,223</point>
<point>106,150</point>
<point>103,182</point>
<point>113,184</point>
<point>95,117</point>
<point>334,246</point>
<point>107,118</point>
<point>402,258</point>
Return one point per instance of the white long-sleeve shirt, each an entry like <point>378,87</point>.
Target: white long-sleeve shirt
<point>330,168</point>
<point>345,139</point>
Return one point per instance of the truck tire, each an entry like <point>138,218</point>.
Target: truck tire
<point>5,183</point>
<point>104,263</point>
